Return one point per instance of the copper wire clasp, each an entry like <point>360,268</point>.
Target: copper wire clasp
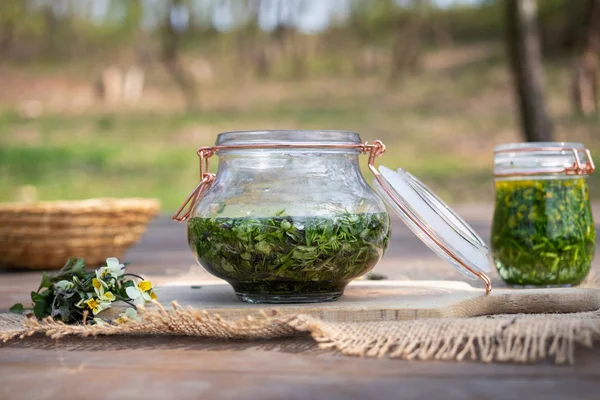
<point>206,180</point>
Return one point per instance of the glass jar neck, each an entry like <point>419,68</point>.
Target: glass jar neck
<point>541,160</point>
<point>277,164</point>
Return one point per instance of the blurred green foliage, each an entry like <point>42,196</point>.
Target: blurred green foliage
<point>439,122</point>
<point>34,31</point>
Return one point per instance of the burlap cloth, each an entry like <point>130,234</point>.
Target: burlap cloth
<point>501,338</point>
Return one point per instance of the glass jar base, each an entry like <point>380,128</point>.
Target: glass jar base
<point>287,299</point>
<point>529,277</point>
<point>282,292</point>
<point>551,286</point>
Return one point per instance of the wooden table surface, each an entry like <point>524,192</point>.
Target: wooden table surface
<point>291,368</point>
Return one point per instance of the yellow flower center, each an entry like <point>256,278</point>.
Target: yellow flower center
<point>96,283</point>
<point>144,286</point>
<point>109,296</point>
<point>92,304</point>
<point>153,296</point>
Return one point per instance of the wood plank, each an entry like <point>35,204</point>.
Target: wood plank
<point>389,300</point>
<point>192,385</point>
<point>196,369</point>
<point>284,355</point>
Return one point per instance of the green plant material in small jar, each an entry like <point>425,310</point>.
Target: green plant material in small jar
<point>543,232</point>
<point>283,255</point>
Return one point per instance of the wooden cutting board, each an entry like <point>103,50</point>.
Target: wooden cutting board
<point>391,300</point>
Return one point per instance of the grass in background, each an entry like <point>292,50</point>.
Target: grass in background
<point>440,126</point>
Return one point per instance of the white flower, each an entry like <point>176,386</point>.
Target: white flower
<point>141,293</point>
<point>101,273</point>
<point>64,285</point>
<point>129,315</point>
<point>107,297</point>
<point>115,268</point>
<point>139,298</point>
<point>97,306</point>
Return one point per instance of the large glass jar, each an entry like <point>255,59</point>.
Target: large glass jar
<point>288,217</point>
<point>543,232</point>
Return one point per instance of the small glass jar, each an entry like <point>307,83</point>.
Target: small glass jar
<point>289,217</point>
<point>543,232</point>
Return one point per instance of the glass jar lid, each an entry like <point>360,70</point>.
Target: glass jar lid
<point>438,226</point>
<point>542,158</point>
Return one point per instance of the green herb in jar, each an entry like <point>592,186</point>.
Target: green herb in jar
<point>286,256</point>
<point>543,232</point>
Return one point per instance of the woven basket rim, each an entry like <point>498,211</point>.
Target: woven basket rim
<point>97,204</point>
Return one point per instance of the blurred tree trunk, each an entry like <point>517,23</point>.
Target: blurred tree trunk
<point>442,35</point>
<point>407,47</point>
<point>7,29</point>
<point>12,14</point>
<point>256,42</point>
<point>252,50</point>
<point>525,60</point>
<point>49,39</point>
<point>170,56</point>
<point>584,85</point>
<point>575,23</point>
<point>406,53</point>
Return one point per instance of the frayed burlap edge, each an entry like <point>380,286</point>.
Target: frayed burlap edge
<point>518,338</point>
<point>522,338</point>
<point>178,321</point>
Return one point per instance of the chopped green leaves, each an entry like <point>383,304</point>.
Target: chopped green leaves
<point>46,283</point>
<point>17,309</point>
<point>42,307</point>
<point>282,254</point>
<point>543,231</point>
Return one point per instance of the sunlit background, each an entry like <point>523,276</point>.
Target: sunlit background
<point>110,98</point>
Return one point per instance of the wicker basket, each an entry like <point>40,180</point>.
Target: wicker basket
<point>44,235</point>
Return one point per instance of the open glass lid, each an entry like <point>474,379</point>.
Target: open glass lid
<point>435,223</point>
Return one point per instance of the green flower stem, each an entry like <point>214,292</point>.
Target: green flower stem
<point>126,300</point>
<point>111,278</point>
<point>134,275</point>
